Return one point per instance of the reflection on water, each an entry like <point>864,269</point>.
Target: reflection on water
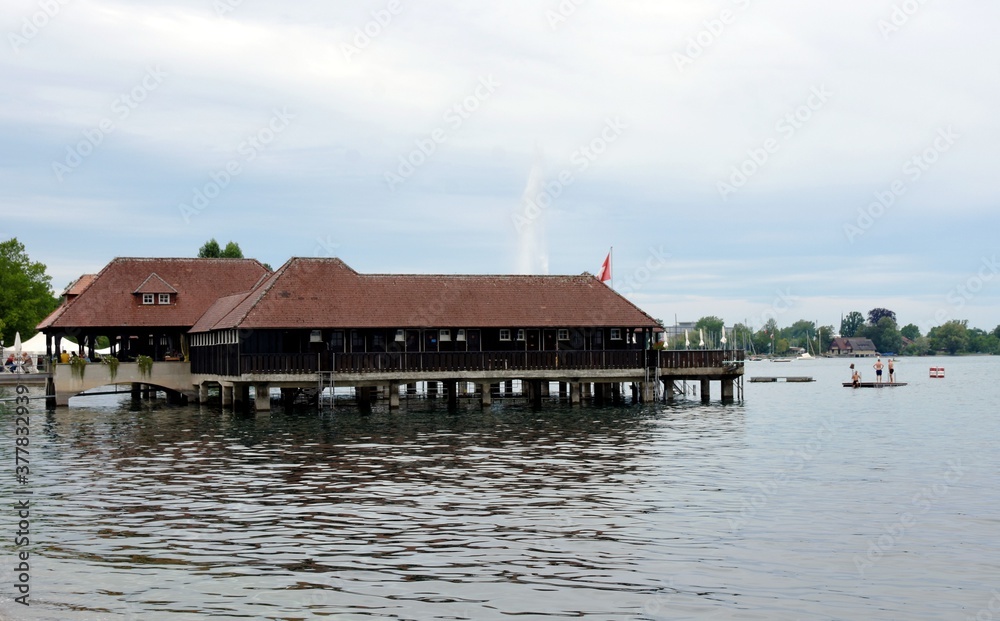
<point>789,506</point>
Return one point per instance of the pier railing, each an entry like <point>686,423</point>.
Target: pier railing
<point>430,362</point>
<point>703,358</point>
<point>486,361</point>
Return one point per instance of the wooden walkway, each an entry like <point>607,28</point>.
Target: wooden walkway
<point>786,378</point>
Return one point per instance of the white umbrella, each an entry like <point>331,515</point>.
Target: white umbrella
<point>17,351</point>
<point>687,343</point>
<point>701,333</point>
<point>723,339</point>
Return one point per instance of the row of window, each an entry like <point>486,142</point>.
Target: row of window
<point>562,335</point>
<point>156,298</point>
<point>220,337</point>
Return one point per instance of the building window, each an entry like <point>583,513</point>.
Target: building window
<point>400,336</point>
<point>520,334</point>
<point>563,334</point>
<point>337,340</point>
<point>147,298</point>
<point>378,342</point>
<point>616,334</point>
<point>164,298</point>
<point>504,334</point>
<point>460,336</point>
<point>445,335</point>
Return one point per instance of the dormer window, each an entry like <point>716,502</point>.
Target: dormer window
<point>147,298</point>
<point>164,298</point>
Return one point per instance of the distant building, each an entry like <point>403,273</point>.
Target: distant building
<point>856,347</point>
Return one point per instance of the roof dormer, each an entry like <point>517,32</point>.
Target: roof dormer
<point>156,291</point>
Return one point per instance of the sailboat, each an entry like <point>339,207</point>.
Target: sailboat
<point>807,354</point>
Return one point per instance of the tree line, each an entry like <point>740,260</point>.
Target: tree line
<point>880,326</point>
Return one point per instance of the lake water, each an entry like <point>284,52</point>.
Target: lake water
<point>805,501</point>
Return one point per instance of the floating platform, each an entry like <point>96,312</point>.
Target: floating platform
<point>874,384</point>
<point>787,378</point>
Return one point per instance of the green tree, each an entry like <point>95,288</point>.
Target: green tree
<point>712,326</point>
<point>25,291</point>
<point>878,313</point>
<point>210,250</point>
<point>884,335</point>
<point>232,251</point>
<point>910,331</point>
<point>951,337</point>
<point>801,333</point>
<point>921,346</point>
<point>850,325</point>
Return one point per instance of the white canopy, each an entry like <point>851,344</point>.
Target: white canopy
<point>36,345</point>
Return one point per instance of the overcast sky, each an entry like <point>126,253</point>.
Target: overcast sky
<point>746,159</point>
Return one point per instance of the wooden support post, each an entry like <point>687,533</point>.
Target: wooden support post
<point>668,389</point>
<point>728,384</point>
<point>648,392</point>
<point>486,394</point>
<point>393,395</point>
<point>508,388</point>
<point>432,390</point>
<point>287,397</point>
<point>495,390</point>
<point>563,390</point>
<point>544,387</point>
<point>588,390</point>
<point>227,395</point>
<point>616,392</point>
<point>706,389</point>
<point>534,392</point>
<point>241,397</point>
<point>451,386</point>
<point>262,397</point>
<point>136,391</point>
<point>411,389</point>
<point>574,393</point>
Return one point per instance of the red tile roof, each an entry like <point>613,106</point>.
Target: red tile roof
<point>79,285</point>
<point>309,292</point>
<point>110,300</point>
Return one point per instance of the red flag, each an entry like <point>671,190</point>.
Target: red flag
<point>605,274</point>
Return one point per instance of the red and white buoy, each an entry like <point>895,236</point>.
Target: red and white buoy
<point>937,371</point>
